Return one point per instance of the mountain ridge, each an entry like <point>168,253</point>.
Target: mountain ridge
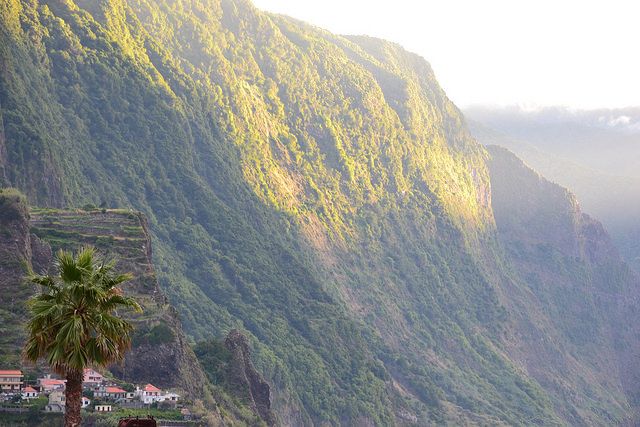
<point>317,192</point>
<point>160,352</point>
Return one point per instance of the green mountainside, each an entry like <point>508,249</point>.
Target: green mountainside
<point>319,193</point>
<point>160,353</point>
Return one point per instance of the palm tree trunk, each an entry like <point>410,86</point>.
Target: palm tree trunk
<point>73,399</point>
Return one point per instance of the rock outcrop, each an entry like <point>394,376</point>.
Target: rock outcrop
<point>15,259</point>
<point>247,382</point>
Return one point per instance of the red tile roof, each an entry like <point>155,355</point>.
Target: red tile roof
<point>114,390</point>
<point>151,387</point>
<point>29,389</point>
<point>18,373</point>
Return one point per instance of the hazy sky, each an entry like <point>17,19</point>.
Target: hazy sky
<point>582,54</point>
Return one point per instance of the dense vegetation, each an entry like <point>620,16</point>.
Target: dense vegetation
<point>576,304</point>
<point>13,310</point>
<point>319,192</point>
<point>160,354</point>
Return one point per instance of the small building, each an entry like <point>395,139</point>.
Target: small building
<point>56,401</point>
<point>49,384</point>
<point>110,392</point>
<point>171,397</point>
<point>11,381</point>
<point>103,408</point>
<point>85,402</point>
<point>29,393</point>
<point>92,379</point>
<point>150,394</point>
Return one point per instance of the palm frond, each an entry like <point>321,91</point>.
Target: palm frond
<point>73,322</point>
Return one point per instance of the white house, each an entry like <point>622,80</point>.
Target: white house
<point>29,393</point>
<point>171,397</point>
<point>150,394</point>
<point>103,408</point>
<point>85,402</point>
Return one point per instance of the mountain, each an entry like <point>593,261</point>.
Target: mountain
<point>596,154</point>
<point>319,193</point>
<point>577,304</point>
<point>160,352</point>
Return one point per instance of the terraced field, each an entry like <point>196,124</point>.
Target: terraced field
<point>118,234</point>
<point>160,353</point>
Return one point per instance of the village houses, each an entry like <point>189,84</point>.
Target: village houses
<point>29,393</point>
<point>92,379</point>
<point>11,381</point>
<point>85,402</point>
<point>110,393</point>
<point>56,401</point>
<point>48,384</point>
<point>103,390</point>
<point>149,394</point>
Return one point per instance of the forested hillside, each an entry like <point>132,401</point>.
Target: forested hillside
<point>319,192</point>
<point>160,352</point>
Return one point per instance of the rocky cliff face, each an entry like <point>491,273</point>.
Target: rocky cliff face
<point>248,383</point>
<point>322,194</point>
<point>15,256</point>
<point>160,353</point>
<point>573,299</point>
<point>3,153</point>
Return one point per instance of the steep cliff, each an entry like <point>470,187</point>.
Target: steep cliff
<point>15,253</point>
<point>593,153</point>
<point>160,353</point>
<point>319,193</point>
<point>229,368</point>
<point>575,310</point>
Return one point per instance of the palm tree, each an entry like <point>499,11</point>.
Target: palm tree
<point>74,323</point>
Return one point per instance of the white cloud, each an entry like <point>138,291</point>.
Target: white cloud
<point>620,120</point>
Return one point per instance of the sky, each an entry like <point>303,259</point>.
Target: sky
<point>578,54</point>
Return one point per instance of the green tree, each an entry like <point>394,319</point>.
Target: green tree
<point>74,323</point>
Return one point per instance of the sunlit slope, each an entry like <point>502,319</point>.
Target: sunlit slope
<point>319,192</point>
